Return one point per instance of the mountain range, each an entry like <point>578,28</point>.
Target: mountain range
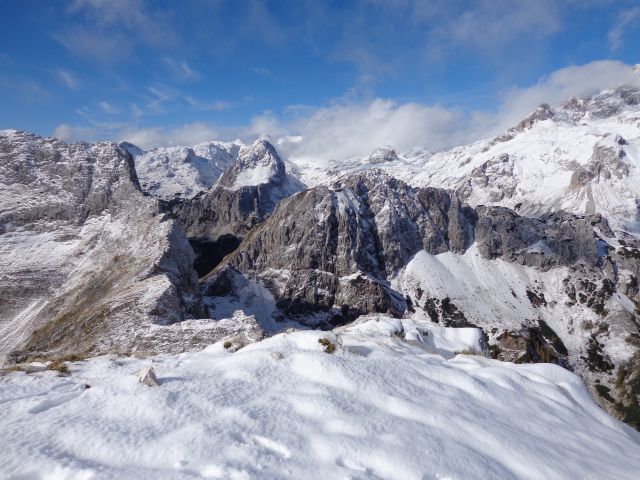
<point>532,236</point>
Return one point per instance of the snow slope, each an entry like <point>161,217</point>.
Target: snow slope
<point>493,294</point>
<point>169,172</point>
<point>381,406</point>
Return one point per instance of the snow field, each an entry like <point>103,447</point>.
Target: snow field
<point>380,406</point>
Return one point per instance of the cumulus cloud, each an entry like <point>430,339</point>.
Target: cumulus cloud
<point>355,129</point>
<point>560,85</point>
<point>350,127</point>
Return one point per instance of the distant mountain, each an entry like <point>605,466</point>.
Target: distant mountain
<point>170,172</point>
<point>88,264</point>
<point>582,156</point>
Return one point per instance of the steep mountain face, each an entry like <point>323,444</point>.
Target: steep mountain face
<point>87,265</point>
<point>558,288</point>
<point>365,228</point>
<point>247,192</point>
<point>182,172</point>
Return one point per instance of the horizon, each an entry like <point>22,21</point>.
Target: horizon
<point>329,81</point>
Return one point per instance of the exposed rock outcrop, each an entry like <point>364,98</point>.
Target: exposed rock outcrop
<point>246,193</point>
<point>340,246</point>
<point>86,262</point>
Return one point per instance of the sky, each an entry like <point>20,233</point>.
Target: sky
<point>324,79</point>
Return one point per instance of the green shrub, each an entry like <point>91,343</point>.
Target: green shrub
<point>329,347</point>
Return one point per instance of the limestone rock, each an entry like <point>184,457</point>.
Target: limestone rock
<point>147,376</point>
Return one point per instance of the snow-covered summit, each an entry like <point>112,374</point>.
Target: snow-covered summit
<point>256,164</point>
<point>582,156</point>
<point>183,171</point>
<point>382,155</point>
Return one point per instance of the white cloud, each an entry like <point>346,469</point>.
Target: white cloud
<point>107,31</point>
<point>554,88</point>
<point>625,20</point>
<point>74,133</point>
<point>352,129</point>
<point>108,108</point>
<point>349,127</point>
<point>67,79</point>
<point>188,134</point>
<point>492,26</point>
<point>217,105</point>
<point>181,69</point>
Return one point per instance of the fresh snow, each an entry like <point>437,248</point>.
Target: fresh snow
<point>254,175</point>
<point>493,293</point>
<point>169,172</point>
<point>536,165</point>
<point>383,405</point>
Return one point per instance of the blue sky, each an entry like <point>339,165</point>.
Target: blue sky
<point>166,72</point>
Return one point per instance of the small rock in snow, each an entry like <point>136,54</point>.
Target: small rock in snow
<point>277,355</point>
<point>148,376</point>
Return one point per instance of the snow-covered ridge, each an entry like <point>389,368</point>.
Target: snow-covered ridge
<point>379,406</point>
<point>582,156</point>
<point>183,171</point>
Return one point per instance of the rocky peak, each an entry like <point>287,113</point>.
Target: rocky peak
<point>601,105</point>
<point>256,164</point>
<point>134,150</point>
<point>542,112</point>
<point>383,155</point>
<point>246,193</point>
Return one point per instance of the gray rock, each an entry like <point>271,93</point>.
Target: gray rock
<point>246,193</point>
<point>86,261</point>
<point>147,376</point>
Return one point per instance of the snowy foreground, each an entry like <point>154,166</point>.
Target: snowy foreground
<point>393,401</point>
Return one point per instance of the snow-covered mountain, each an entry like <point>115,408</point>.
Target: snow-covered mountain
<point>170,172</point>
<point>244,195</point>
<point>531,240</point>
<point>87,262</point>
<point>582,156</point>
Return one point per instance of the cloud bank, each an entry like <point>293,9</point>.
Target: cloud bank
<point>349,128</point>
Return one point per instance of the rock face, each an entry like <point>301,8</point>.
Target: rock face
<point>337,248</point>
<point>246,193</point>
<point>86,262</point>
<point>556,288</point>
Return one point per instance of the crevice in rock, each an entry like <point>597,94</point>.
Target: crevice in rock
<point>210,253</point>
